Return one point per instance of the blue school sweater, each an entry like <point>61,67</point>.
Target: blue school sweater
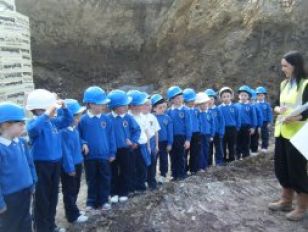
<point>194,118</point>
<point>207,125</point>
<point>181,121</point>
<point>166,128</point>
<point>267,111</point>
<point>97,132</point>
<point>259,114</point>
<point>45,138</point>
<point>17,170</point>
<point>248,114</point>
<point>71,149</point>
<point>219,121</point>
<point>125,127</point>
<point>231,115</point>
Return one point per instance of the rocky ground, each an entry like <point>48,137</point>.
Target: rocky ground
<point>232,198</point>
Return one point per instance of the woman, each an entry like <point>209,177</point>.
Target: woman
<point>290,164</point>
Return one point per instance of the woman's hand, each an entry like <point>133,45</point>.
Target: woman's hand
<point>293,119</point>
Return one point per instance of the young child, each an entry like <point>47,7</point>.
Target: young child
<point>254,146</point>
<point>219,123</point>
<point>165,134</point>
<point>248,122</point>
<point>46,150</point>
<point>207,128</point>
<point>97,135</point>
<point>154,128</point>
<point>141,155</point>
<point>267,116</point>
<point>17,172</point>
<point>181,132</point>
<point>189,96</point>
<point>232,120</point>
<point>72,164</point>
<point>126,137</point>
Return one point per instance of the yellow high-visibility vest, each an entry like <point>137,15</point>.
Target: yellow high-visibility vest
<point>290,97</point>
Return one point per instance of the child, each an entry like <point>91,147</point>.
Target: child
<point>165,134</point>
<point>267,116</point>
<point>219,123</point>
<point>181,132</point>
<point>72,164</point>
<point>97,135</point>
<point>232,120</point>
<point>126,137</point>
<point>207,128</point>
<point>189,96</point>
<point>154,128</point>
<point>141,155</point>
<point>248,122</point>
<point>17,172</point>
<point>46,150</point>
<point>255,136</point>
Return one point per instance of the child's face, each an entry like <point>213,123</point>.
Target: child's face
<point>203,106</point>
<point>178,100</point>
<point>211,101</point>
<point>137,109</point>
<point>121,110</point>
<point>165,106</point>
<point>13,129</point>
<point>147,108</point>
<point>243,96</point>
<point>261,97</point>
<point>160,108</point>
<point>76,119</point>
<point>190,104</point>
<point>226,97</point>
<point>97,109</point>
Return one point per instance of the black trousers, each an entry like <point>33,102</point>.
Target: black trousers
<point>140,169</point>
<point>151,174</point>
<point>217,143</point>
<point>254,145</point>
<point>192,164</point>
<point>98,177</point>
<point>290,166</point>
<point>121,172</point>
<point>265,135</point>
<point>243,142</point>
<point>70,190</point>
<point>46,195</point>
<point>17,216</point>
<point>229,142</point>
<point>163,158</point>
<point>178,157</point>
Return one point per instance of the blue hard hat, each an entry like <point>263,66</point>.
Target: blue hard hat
<point>118,98</point>
<point>95,95</point>
<point>173,91</point>
<point>74,107</point>
<point>253,94</point>
<point>155,98</point>
<point>189,95</point>
<point>261,90</point>
<point>11,112</point>
<point>138,98</point>
<point>245,88</point>
<point>211,93</point>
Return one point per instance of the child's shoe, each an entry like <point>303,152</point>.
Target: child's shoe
<point>114,199</point>
<point>123,199</point>
<point>106,207</point>
<point>82,219</point>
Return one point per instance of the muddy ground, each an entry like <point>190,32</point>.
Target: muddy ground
<point>226,199</point>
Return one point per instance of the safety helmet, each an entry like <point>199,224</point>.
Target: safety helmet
<point>189,95</point>
<point>95,95</point>
<point>211,93</point>
<point>11,112</point>
<point>74,107</point>
<point>40,99</point>
<point>261,90</point>
<point>118,98</point>
<point>226,89</point>
<point>173,91</point>
<point>156,98</point>
<point>201,97</point>
<point>138,98</point>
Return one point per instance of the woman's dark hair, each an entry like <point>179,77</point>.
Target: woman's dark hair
<point>297,61</point>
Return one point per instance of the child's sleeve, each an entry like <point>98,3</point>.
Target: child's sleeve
<point>221,122</point>
<point>188,125</point>
<point>34,127</point>
<point>259,115</point>
<point>213,127</point>
<point>30,161</point>
<point>67,156</point>
<point>170,131</point>
<point>81,132</point>
<point>269,113</point>
<point>2,202</point>
<point>64,120</point>
<point>135,130</point>
<point>237,118</point>
<point>254,118</point>
<point>112,141</point>
<point>156,124</point>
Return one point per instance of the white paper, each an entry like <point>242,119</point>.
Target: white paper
<point>298,110</point>
<point>300,140</point>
